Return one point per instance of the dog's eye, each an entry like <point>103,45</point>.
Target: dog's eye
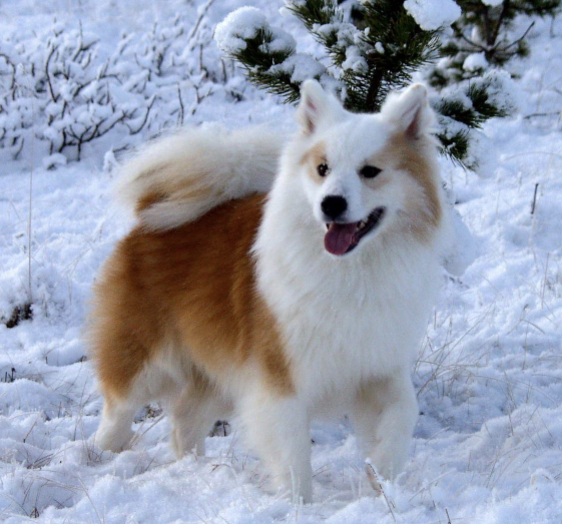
<point>369,171</point>
<point>322,169</point>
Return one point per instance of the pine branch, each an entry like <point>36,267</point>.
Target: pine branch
<point>267,53</point>
<point>456,148</point>
<point>314,12</point>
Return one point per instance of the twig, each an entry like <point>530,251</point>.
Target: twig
<point>534,199</point>
<point>470,42</point>
<point>182,108</point>
<point>11,64</point>
<point>143,123</point>
<point>521,38</point>
<point>496,33</point>
<point>548,113</point>
<point>48,75</point>
<point>202,13</point>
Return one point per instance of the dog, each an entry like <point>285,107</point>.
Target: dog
<point>277,282</point>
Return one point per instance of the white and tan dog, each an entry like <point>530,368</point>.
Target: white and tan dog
<point>307,301</point>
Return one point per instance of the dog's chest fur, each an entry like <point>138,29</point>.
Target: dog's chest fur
<point>345,321</point>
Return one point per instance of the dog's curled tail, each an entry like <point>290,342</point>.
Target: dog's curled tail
<point>178,178</point>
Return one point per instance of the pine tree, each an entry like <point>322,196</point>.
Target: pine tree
<point>373,47</point>
<point>375,52</point>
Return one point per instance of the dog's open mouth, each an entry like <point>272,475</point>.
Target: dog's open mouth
<point>343,238</point>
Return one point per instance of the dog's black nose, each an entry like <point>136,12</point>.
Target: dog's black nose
<point>333,206</point>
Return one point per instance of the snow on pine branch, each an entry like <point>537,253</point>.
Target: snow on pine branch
<point>247,23</point>
<point>267,52</point>
<point>433,14</point>
<point>463,107</point>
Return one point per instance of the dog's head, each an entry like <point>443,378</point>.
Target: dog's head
<point>365,174</point>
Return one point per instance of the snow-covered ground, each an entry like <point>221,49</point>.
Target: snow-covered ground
<point>488,446</point>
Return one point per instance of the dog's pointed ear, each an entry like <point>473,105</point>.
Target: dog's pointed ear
<point>409,111</point>
<point>314,107</point>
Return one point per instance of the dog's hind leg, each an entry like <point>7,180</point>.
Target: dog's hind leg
<point>114,432</point>
<point>126,388</point>
<point>384,415</point>
<point>121,401</point>
<point>277,427</point>
<point>194,412</point>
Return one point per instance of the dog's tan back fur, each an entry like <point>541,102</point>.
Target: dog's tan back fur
<point>192,287</point>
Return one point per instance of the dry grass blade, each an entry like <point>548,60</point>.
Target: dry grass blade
<point>377,486</point>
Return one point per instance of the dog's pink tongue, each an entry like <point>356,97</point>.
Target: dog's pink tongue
<point>339,238</point>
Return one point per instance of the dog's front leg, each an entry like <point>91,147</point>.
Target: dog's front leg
<point>384,415</point>
<point>277,427</point>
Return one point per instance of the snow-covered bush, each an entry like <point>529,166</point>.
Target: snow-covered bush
<point>61,89</point>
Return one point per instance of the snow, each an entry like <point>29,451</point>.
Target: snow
<point>241,24</point>
<point>245,23</point>
<point>433,14</point>
<point>501,89</point>
<point>300,67</point>
<point>281,42</point>
<point>354,60</point>
<point>474,62</point>
<point>488,445</point>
